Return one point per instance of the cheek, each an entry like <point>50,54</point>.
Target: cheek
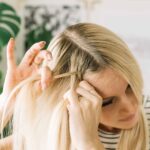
<point>108,116</point>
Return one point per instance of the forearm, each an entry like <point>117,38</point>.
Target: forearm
<point>6,143</point>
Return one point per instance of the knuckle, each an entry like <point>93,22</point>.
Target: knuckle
<point>82,83</point>
<point>47,55</point>
<point>37,59</point>
<point>86,104</point>
<point>30,55</point>
<point>96,103</point>
<point>76,108</point>
<point>29,52</point>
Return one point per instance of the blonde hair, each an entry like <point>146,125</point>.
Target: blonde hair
<point>41,119</point>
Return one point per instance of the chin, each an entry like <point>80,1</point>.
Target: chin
<point>129,125</point>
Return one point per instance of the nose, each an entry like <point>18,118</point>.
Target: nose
<point>126,105</point>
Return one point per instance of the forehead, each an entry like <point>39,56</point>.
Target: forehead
<point>107,82</point>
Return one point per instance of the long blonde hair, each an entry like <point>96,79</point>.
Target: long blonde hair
<point>41,119</point>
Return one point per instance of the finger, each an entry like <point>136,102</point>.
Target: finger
<point>31,53</point>
<point>94,99</point>
<point>44,54</point>
<point>85,104</point>
<point>73,105</point>
<point>84,84</point>
<point>46,76</point>
<point>72,97</point>
<point>11,63</point>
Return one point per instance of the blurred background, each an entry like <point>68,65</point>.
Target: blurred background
<point>31,21</point>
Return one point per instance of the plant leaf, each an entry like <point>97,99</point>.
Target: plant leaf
<point>4,6</point>
<point>9,23</point>
<point>11,16</point>
<point>4,37</point>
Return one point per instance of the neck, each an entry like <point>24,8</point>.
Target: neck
<point>109,129</point>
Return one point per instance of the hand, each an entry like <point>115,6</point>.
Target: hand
<point>27,67</point>
<point>84,116</point>
<point>17,73</point>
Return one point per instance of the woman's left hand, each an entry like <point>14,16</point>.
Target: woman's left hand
<point>84,115</point>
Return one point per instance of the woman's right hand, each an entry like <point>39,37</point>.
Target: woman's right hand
<point>28,66</point>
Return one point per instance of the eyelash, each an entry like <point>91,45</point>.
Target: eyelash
<point>107,102</point>
<point>110,101</point>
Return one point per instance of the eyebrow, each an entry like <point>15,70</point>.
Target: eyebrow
<point>114,96</point>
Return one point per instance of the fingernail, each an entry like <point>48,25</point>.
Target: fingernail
<point>11,39</point>
<point>42,43</point>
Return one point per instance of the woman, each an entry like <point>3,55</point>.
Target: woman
<point>95,88</point>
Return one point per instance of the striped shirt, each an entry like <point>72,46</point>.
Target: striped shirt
<point>110,140</point>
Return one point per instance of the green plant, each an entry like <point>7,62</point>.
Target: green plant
<point>9,27</point>
<point>9,23</point>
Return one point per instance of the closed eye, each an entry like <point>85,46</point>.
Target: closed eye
<point>107,102</point>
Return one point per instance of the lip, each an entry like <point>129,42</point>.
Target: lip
<point>129,118</point>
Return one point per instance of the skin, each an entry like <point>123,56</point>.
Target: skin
<point>84,116</point>
<point>109,83</point>
<point>93,90</point>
